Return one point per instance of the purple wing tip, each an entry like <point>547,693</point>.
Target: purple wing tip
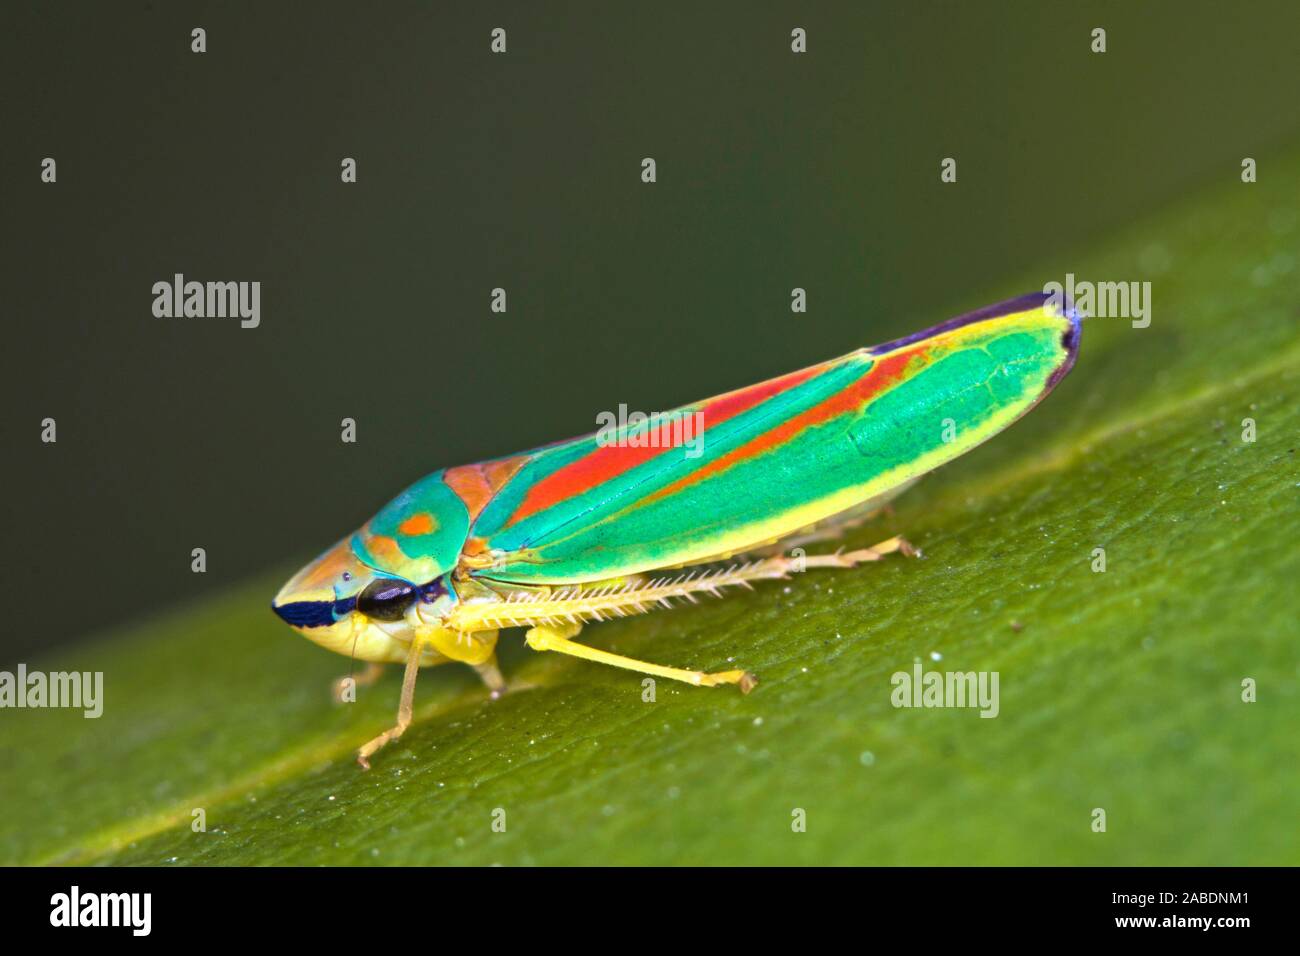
<point>1070,342</point>
<point>1061,302</point>
<point>1009,307</point>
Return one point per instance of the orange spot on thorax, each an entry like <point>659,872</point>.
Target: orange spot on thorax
<point>417,525</point>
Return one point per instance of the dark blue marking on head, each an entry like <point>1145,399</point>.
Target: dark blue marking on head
<point>312,613</point>
<point>433,590</point>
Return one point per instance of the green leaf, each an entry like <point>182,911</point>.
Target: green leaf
<point>1119,690</point>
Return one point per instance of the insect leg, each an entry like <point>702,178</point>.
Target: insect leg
<point>491,675</point>
<point>475,648</point>
<point>639,595</point>
<point>777,567</point>
<point>848,559</point>
<point>547,637</point>
<point>711,581</point>
<point>404,707</point>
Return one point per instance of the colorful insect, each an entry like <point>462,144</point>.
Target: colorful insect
<point>588,529</point>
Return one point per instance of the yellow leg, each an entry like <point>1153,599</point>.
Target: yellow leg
<point>475,647</point>
<point>557,638</point>
<point>373,671</point>
<point>404,707</point>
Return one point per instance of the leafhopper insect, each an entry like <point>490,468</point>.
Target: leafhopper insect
<point>590,528</point>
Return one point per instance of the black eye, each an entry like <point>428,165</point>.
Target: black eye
<point>385,599</point>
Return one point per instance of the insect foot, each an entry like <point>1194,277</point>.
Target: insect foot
<point>742,679</point>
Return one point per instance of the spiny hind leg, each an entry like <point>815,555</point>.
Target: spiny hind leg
<point>555,618</point>
<point>779,566</point>
<point>404,707</point>
<point>560,614</point>
<point>350,682</point>
<point>849,559</point>
<point>559,638</point>
<point>782,565</point>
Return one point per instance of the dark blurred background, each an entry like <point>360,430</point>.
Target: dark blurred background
<point>521,170</point>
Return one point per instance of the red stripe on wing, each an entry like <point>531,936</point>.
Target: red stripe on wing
<point>610,461</point>
<point>880,376</point>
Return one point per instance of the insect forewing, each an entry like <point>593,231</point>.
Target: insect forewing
<point>777,456</point>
